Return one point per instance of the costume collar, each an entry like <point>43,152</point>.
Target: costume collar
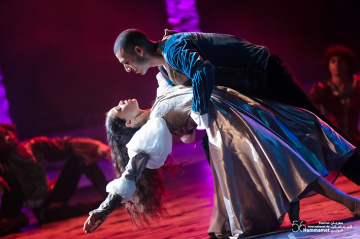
<point>161,45</point>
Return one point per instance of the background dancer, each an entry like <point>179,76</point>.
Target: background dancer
<point>23,178</point>
<point>339,97</point>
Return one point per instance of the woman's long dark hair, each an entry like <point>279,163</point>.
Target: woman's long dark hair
<point>147,201</point>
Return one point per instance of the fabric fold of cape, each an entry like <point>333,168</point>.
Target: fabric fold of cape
<point>263,156</point>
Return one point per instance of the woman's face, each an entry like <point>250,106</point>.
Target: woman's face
<point>126,109</point>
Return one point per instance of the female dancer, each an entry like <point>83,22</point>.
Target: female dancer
<point>263,156</point>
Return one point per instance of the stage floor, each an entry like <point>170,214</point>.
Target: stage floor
<point>189,209</point>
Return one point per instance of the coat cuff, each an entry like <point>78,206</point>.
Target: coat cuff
<point>122,187</point>
<point>202,121</point>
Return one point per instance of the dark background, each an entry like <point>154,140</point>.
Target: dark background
<point>60,72</point>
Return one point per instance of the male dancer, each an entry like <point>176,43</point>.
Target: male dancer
<point>215,59</point>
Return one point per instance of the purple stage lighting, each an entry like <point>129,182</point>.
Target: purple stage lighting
<point>183,15</point>
<point>4,105</point>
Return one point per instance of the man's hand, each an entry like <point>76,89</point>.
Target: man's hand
<point>189,137</point>
<point>94,221</point>
<point>186,133</point>
<point>181,132</point>
<point>3,186</point>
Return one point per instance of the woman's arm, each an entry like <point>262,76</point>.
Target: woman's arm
<point>149,148</point>
<point>120,190</point>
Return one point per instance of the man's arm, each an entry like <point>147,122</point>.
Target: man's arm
<point>57,149</point>
<point>90,150</point>
<point>184,57</point>
<point>53,150</point>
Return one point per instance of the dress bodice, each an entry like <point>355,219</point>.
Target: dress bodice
<point>174,107</point>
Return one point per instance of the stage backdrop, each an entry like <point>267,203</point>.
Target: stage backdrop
<point>60,72</point>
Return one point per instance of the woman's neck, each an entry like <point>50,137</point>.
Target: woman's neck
<point>142,117</point>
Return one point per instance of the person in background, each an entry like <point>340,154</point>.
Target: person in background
<point>23,178</point>
<point>339,97</point>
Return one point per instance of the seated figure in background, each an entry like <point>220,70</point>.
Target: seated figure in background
<point>23,177</point>
<point>339,97</point>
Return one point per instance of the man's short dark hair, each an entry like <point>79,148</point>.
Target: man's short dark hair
<point>128,39</point>
<point>343,52</point>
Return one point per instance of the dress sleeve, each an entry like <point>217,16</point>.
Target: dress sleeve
<point>184,57</point>
<point>154,139</point>
<point>125,185</point>
<point>149,147</point>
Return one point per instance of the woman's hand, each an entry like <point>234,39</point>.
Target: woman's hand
<point>98,216</point>
<point>94,221</point>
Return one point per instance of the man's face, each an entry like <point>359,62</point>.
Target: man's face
<point>8,139</point>
<point>136,62</point>
<point>338,66</point>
